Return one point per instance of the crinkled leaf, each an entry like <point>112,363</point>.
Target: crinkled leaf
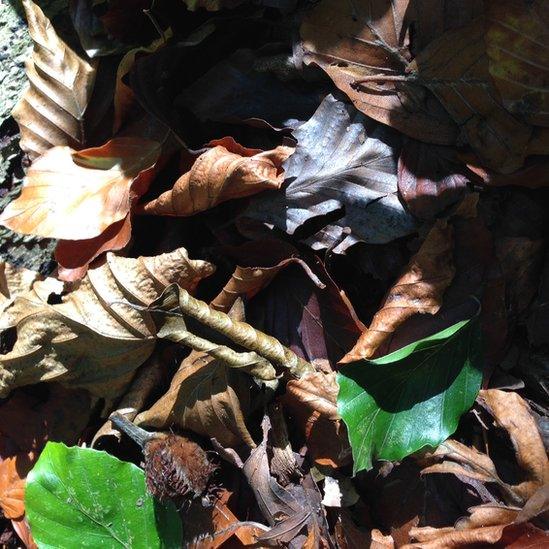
<point>51,112</point>
<point>412,398</point>
<point>344,166</point>
<point>78,497</point>
<point>93,338</point>
<point>224,172</point>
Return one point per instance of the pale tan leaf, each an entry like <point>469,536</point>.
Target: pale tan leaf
<point>207,397</point>
<point>93,339</point>
<point>77,195</point>
<point>51,111</point>
<point>512,413</point>
<point>224,172</point>
<point>419,290</point>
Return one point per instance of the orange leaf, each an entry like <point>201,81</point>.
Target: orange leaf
<point>12,486</point>
<point>224,172</point>
<point>73,196</point>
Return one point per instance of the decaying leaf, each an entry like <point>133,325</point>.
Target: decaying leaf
<point>462,84</point>
<point>344,166</point>
<point>430,178</point>
<point>511,413</point>
<point>225,172</point>
<point>352,41</point>
<point>418,290</point>
<point>260,261</point>
<point>92,339</point>
<point>51,112</point>
<point>124,98</point>
<point>517,40</point>
<point>77,195</point>
<point>312,402</point>
<point>205,396</point>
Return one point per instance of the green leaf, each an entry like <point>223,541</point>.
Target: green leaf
<point>78,497</point>
<point>413,398</point>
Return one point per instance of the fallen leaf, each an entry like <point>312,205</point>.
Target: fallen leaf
<point>418,290</point>
<point>205,396</point>
<point>462,84</point>
<point>26,423</point>
<point>78,195</point>
<point>312,403</point>
<point>251,93</point>
<point>512,413</point>
<point>51,111</point>
<point>124,98</point>
<point>516,39</point>
<point>389,409</point>
<point>354,41</point>
<point>211,5</point>
<point>93,338</point>
<point>344,165</point>
<point>70,494</point>
<point>258,264</point>
<point>21,527</point>
<point>430,178</point>
<point>225,172</point>
<point>12,487</point>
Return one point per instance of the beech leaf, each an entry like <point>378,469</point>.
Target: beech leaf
<point>93,339</point>
<point>224,172</point>
<point>51,111</point>
<point>418,290</point>
<point>71,495</point>
<point>412,398</point>
<point>78,195</point>
<point>355,40</point>
<point>345,165</point>
<point>517,36</point>
<point>205,396</point>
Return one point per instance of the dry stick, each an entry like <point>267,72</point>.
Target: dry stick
<point>242,334</point>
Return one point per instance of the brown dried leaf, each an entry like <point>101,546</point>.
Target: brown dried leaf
<point>517,39</point>
<point>224,172</point>
<point>430,178</point>
<point>92,339</point>
<point>51,112</point>
<point>205,396</point>
<point>418,290</point>
<point>455,68</point>
<point>354,40</point>
<point>512,413</point>
<point>78,195</point>
<point>311,400</point>
<point>124,97</point>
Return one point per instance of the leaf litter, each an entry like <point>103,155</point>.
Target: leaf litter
<point>300,292</point>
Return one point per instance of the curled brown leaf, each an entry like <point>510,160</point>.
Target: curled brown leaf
<point>418,290</point>
<point>224,172</point>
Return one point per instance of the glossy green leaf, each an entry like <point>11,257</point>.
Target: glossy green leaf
<point>78,497</point>
<point>413,398</point>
